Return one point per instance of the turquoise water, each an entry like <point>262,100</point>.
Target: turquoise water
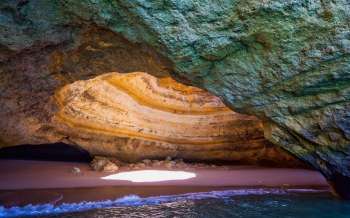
<point>255,203</point>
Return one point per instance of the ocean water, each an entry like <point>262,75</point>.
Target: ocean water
<point>249,203</point>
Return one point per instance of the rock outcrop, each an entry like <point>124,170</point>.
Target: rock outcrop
<point>137,116</point>
<point>286,62</point>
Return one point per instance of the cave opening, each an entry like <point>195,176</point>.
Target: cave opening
<point>118,99</point>
<point>137,116</point>
<point>46,152</point>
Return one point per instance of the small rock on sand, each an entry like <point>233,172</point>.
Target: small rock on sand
<point>110,167</point>
<point>76,170</point>
<point>108,164</point>
<point>103,164</point>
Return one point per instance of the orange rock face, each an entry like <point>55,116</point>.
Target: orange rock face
<point>136,116</point>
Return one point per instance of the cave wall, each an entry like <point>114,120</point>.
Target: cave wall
<point>286,62</point>
<point>137,116</point>
<point>42,103</point>
<point>30,76</point>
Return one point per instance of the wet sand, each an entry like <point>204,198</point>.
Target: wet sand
<point>23,181</point>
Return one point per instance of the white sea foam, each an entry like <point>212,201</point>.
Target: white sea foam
<point>134,200</point>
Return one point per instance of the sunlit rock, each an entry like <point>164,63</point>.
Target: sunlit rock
<point>136,116</point>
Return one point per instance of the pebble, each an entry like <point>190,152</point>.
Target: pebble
<point>76,171</point>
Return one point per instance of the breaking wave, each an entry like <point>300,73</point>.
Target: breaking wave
<point>134,200</point>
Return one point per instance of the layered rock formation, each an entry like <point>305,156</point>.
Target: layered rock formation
<point>137,116</point>
<point>286,62</point>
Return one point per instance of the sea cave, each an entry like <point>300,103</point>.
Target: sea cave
<point>137,105</point>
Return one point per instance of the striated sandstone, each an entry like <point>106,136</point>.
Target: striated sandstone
<point>137,116</point>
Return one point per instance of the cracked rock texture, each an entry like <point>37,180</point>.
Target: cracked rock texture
<point>286,62</point>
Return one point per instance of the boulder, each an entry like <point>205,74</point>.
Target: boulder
<point>103,164</point>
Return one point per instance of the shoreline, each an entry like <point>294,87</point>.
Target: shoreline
<point>36,182</point>
<point>21,198</point>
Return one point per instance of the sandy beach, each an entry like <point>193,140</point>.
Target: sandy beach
<point>42,181</point>
<point>24,174</point>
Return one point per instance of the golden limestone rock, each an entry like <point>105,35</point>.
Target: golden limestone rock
<point>137,116</point>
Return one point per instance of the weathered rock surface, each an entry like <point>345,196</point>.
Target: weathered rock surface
<point>287,62</point>
<point>136,116</point>
<point>104,164</point>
